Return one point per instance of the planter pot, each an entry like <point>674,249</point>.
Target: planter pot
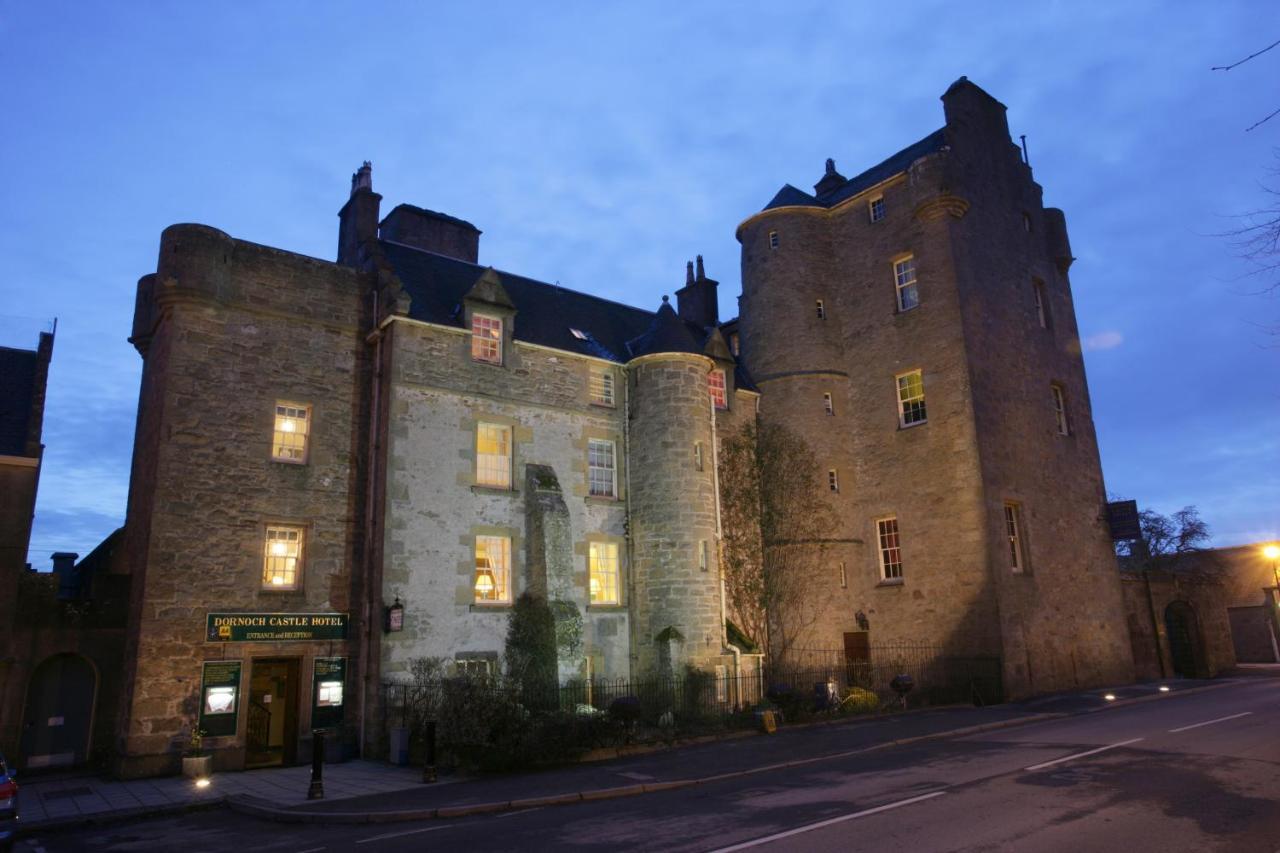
<point>197,767</point>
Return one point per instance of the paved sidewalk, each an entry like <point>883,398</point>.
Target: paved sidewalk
<point>359,791</point>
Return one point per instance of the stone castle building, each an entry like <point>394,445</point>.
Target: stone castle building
<point>342,466</point>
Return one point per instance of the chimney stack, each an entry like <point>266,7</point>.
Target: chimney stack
<point>697,301</point>
<point>358,219</point>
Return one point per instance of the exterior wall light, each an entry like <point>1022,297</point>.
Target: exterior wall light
<point>394,617</point>
<point>863,623</point>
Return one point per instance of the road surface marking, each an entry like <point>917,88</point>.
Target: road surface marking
<point>820,824</point>
<point>1211,722</point>
<point>406,832</point>
<point>521,811</point>
<point>313,850</point>
<point>1081,754</point>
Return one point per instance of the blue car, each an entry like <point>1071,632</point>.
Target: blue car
<point>8,806</point>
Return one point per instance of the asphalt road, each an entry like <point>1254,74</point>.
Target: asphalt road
<point>1196,772</point>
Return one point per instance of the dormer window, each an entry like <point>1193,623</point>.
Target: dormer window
<point>486,339</point>
<point>715,383</point>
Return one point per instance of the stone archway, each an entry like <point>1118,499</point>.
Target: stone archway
<point>1186,650</point>
<point>58,716</point>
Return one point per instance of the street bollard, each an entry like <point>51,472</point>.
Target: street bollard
<point>316,791</point>
<point>429,761</point>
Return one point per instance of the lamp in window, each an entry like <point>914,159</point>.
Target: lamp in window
<point>485,583</point>
<point>288,425</point>
<point>395,617</point>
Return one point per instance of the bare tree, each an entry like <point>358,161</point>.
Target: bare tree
<point>1168,541</point>
<point>776,525</point>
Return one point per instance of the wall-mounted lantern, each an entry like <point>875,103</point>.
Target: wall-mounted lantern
<point>395,617</point>
<point>863,623</point>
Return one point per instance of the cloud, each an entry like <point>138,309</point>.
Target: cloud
<point>1109,339</point>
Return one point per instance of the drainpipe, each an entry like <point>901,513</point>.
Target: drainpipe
<point>366,637</point>
<point>626,514</point>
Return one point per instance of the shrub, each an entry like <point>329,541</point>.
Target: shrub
<point>788,700</point>
<point>531,652</point>
<point>626,709</point>
<point>856,700</point>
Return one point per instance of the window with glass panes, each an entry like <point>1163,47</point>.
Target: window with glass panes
<point>603,572</point>
<point>1060,410</point>
<point>715,382</point>
<point>493,569</point>
<point>602,469</point>
<point>911,408</point>
<point>890,549</point>
<point>876,208</point>
<point>486,338</point>
<point>601,386</point>
<point>904,277</point>
<point>1042,308</point>
<point>293,425</point>
<point>493,455</point>
<point>282,557</point>
<point>1013,531</point>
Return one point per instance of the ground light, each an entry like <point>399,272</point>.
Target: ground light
<point>1164,688</point>
<point>1110,697</point>
<point>202,783</point>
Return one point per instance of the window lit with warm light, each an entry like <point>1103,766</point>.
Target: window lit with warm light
<point>719,396</point>
<point>282,558</point>
<point>293,425</point>
<point>911,409</point>
<point>493,455</point>
<point>486,338</point>
<point>603,572</point>
<point>493,569</point>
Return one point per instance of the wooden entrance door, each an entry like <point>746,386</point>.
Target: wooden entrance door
<point>272,731</point>
<point>59,712</point>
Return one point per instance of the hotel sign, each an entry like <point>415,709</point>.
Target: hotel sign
<point>274,627</point>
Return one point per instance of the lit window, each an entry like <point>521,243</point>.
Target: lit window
<point>844,577</point>
<point>828,405</point>
<point>1060,409</point>
<point>602,471</point>
<point>911,408</point>
<point>715,382</point>
<point>293,425</point>
<point>773,239</point>
<point>876,208</point>
<point>697,455</point>
<point>833,480</point>
<point>1042,307</point>
<point>601,386</point>
<point>703,561</point>
<point>603,572</point>
<point>281,558</point>
<point>478,668</point>
<point>493,455</point>
<point>822,310</point>
<point>493,568</point>
<point>890,549</point>
<point>1013,531</point>
<point>486,339</point>
<point>904,277</point>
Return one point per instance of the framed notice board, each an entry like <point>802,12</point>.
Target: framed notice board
<point>328,687</point>
<point>220,697</point>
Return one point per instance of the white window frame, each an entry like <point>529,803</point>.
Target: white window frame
<point>906,284</point>
<point>889,546</point>
<point>718,389</point>
<point>604,573</point>
<point>282,554</point>
<point>822,310</point>
<point>291,434</point>
<point>876,209</point>
<point>844,576</point>
<point>1013,535</point>
<point>906,403</point>
<point>833,479</point>
<point>493,470</point>
<point>704,558</point>
<point>496,559</point>
<point>486,338</point>
<point>1060,409</point>
<point>1042,310</point>
<point>828,404</point>
<point>602,468</point>
<point>773,240</point>
<point>601,386</point>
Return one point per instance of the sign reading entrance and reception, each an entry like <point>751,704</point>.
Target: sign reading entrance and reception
<point>219,697</point>
<point>327,687</point>
<point>274,627</point>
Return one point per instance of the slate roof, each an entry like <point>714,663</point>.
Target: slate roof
<point>789,196</point>
<point>17,387</point>
<point>546,314</point>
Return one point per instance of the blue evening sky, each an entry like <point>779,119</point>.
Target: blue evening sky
<point>604,144</point>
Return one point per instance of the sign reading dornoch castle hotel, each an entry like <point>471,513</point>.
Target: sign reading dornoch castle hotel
<point>317,440</point>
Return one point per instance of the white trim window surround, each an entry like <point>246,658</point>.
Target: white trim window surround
<point>833,479</point>
<point>600,386</point>
<point>890,549</point>
<point>1042,308</point>
<point>493,455</point>
<point>289,439</point>
<point>603,573</point>
<point>1013,533</point>
<point>486,338</point>
<point>282,557</point>
<point>602,468</point>
<point>492,583</point>
<point>904,281</point>
<point>715,384</point>
<point>911,408</point>
<point>827,404</point>
<point>822,309</point>
<point>773,239</point>
<point>1060,410</point>
<point>875,208</point>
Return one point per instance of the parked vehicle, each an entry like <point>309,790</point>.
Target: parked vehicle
<point>8,806</point>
